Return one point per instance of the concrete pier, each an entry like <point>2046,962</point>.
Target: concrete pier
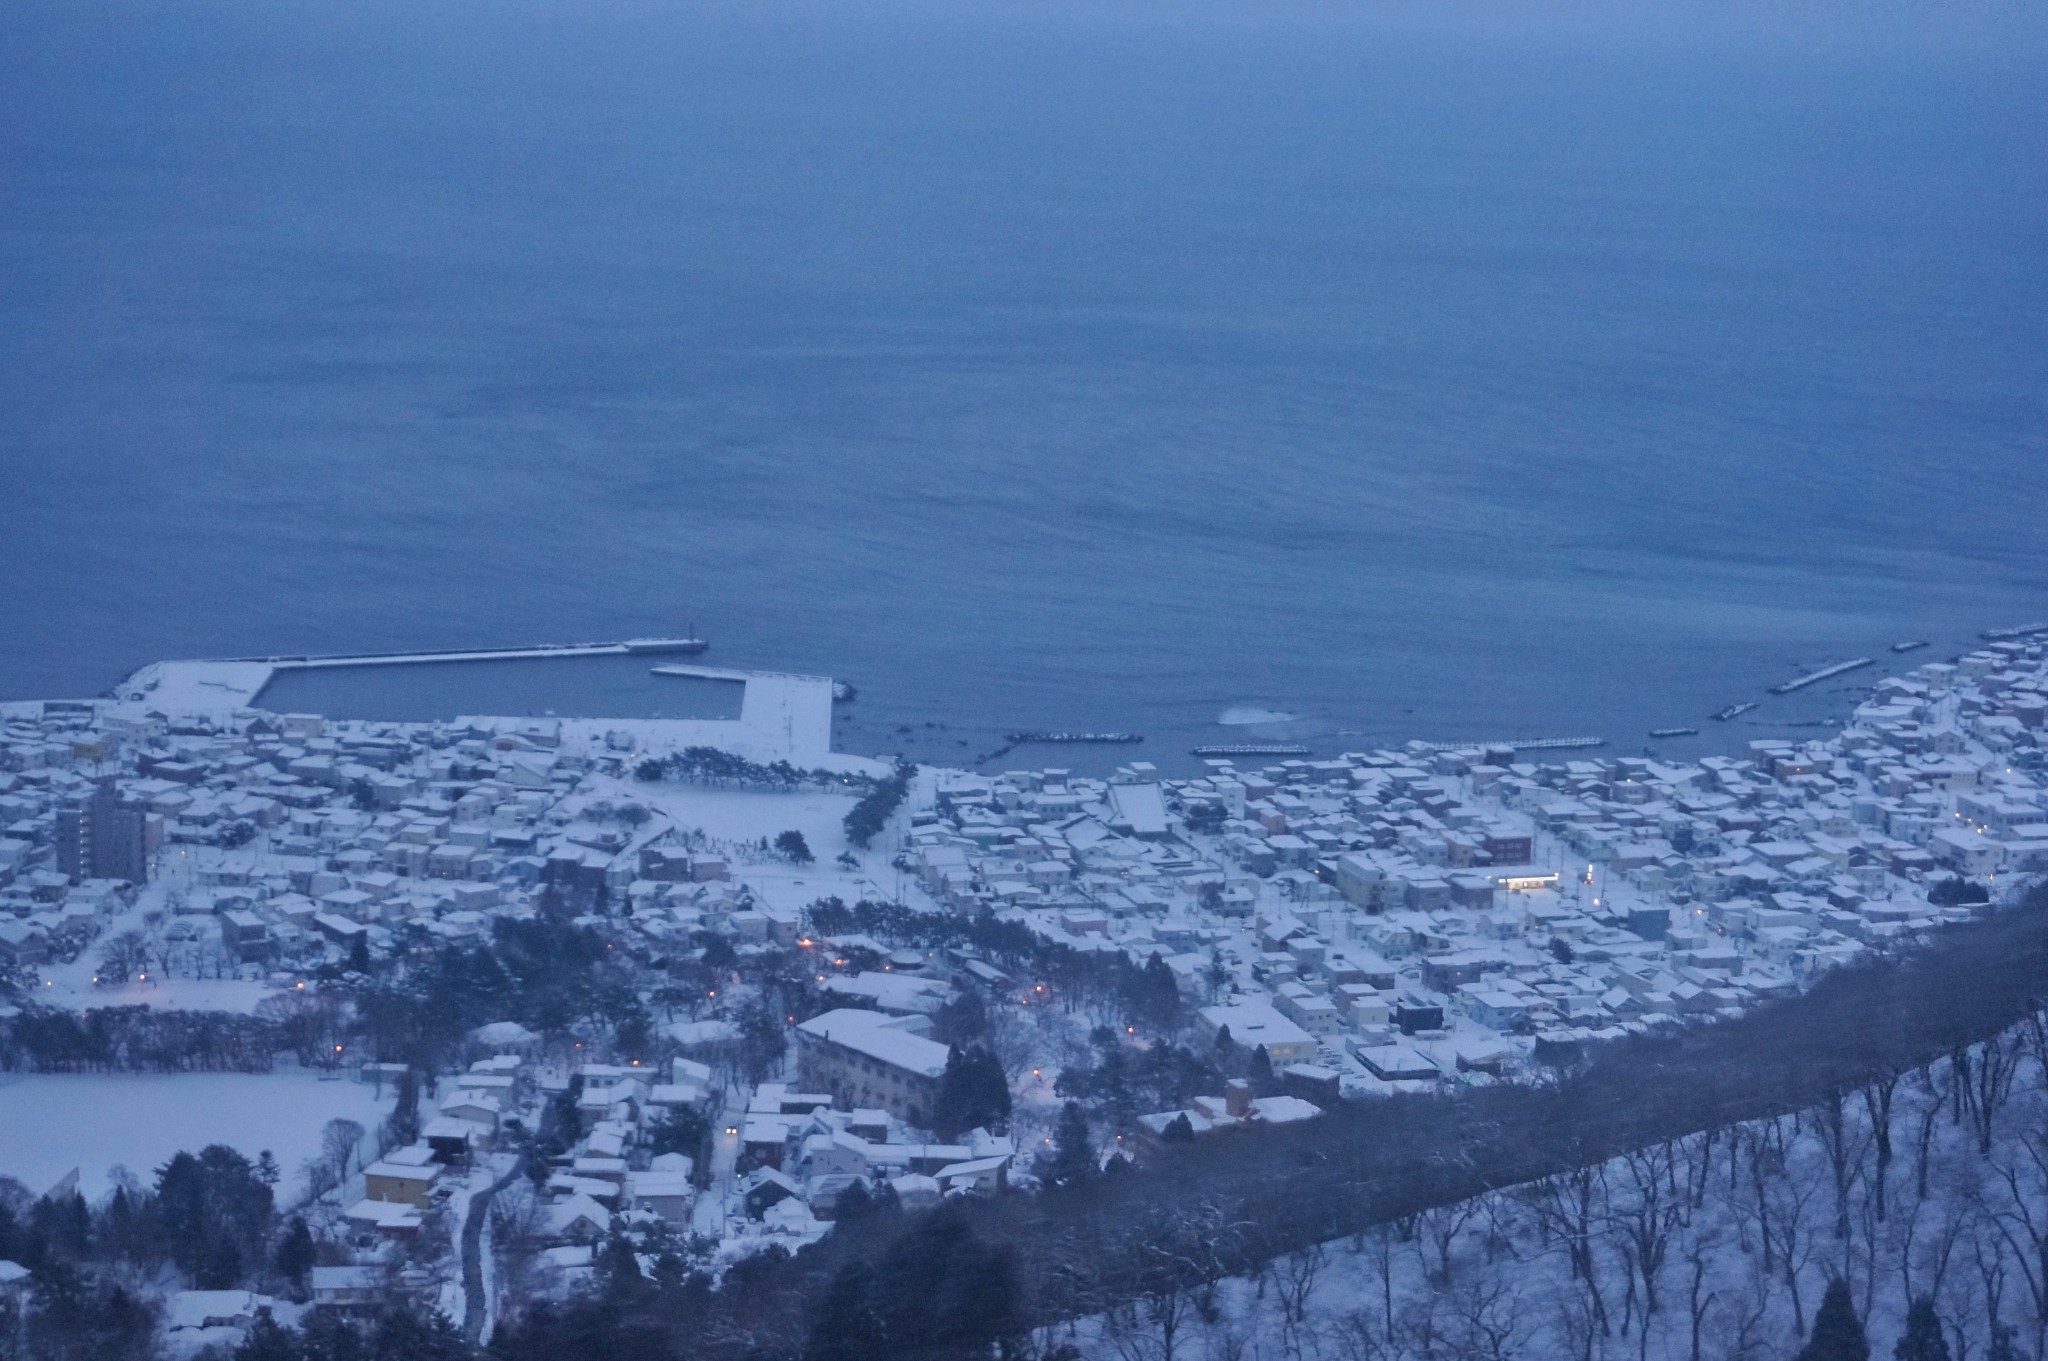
<point>783,717</point>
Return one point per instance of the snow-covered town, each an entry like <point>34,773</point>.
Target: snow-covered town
<point>479,1002</point>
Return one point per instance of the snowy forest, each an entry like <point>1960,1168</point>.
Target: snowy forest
<point>1906,1216</point>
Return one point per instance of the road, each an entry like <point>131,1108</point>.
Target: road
<point>476,1300</point>
<point>707,1217</point>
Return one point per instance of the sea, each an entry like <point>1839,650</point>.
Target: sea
<point>1301,370</point>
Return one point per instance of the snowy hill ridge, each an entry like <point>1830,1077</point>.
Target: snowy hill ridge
<point>1929,1186</point>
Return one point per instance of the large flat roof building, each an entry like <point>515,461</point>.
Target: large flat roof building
<point>867,1059</point>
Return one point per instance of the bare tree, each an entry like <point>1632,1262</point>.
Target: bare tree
<point>338,1141</point>
<point>1746,1334</point>
<point>1699,1253</point>
<point>2021,1220</point>
<point>1359,1335</point>
<point>1294,1278</point>
<point>1483,1318</point>
<point>1437,1230</point>
<point>1877,1104</point>
<point>1570,1210</point>
<point>1984,1085</point>
<point>1781,1206</point>
<point>1573,1322</point>
<point>1645,1222</point>
<point>1844,1149</point>
<point>1935,1091</point>
<point>1379,1256</point>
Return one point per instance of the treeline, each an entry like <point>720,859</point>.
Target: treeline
<point>723,770</point>
<point>866,819</point>
<point>208,1218</point>
<point>135,1039</point>
<point>416,1006</point>
<point>545,972</point>
<point>1216,1208</point>
<point>208,1221</point>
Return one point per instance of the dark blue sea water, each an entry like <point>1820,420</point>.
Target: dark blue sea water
<point>1439,370</point>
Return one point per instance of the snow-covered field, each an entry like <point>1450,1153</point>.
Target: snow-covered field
<point>51,1123</point>
<point>165,994</point>
<point>734,820</point>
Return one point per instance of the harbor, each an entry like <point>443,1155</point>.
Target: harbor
<point>1107,739</point>
<point>1825,673</point>
<point>654,677</point>
<point>765,716</point>
<point>1528,744</point>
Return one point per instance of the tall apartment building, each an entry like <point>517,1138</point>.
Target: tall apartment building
<point>103,838</point>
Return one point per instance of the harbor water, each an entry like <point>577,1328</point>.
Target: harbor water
<point>1377,371</point>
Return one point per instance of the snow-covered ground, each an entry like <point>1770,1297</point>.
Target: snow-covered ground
<point>165,994</point>
<point>53,1122</point>
<point>736,820</point>
<point>73,984</point>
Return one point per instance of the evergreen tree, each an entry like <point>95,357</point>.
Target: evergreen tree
<point>122,1327</point>
<point>214,1213</point>
<point>268,1340</point>
<point>1073,1157</point>
<point>973,1091</point>
<point>404,1124</point>
<point>359,954</point>
<point>64,1225</point>
<point>961,1021</point>
<point>944,1293</point>
<point>122,1232</point>
<point>1924,1340</point>
<point>1179,1130</point>
<point>58,1307</point>
<point>267,1170</point>
<point>404,1335</point>
<point>853,1205</point>
<point>847,1327</point>
<point>1261,1073</point>
<point>1161,993</point>
<point>1837,1333</point>
<point>327,1336</point>
<point>220,1266</point>
<point>684,1131</point>
<point>793,845</point>
<point>669,1271</point>
<point>294,1256</point>
<point>1216,975</point>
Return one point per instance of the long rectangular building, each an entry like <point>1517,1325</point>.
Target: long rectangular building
<point>867,1059</point>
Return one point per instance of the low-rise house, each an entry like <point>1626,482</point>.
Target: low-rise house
<point>386,1218</point>
<point>1396,1063</point>
<point>198,1318</point>
<point>404,1176</point>
<point>1237,1108</point>
<point>1253,1024</point>
<point>348,1287</point>
<point>667,1193</point>
<point>579,1219</point>
<point>452,1138</point>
